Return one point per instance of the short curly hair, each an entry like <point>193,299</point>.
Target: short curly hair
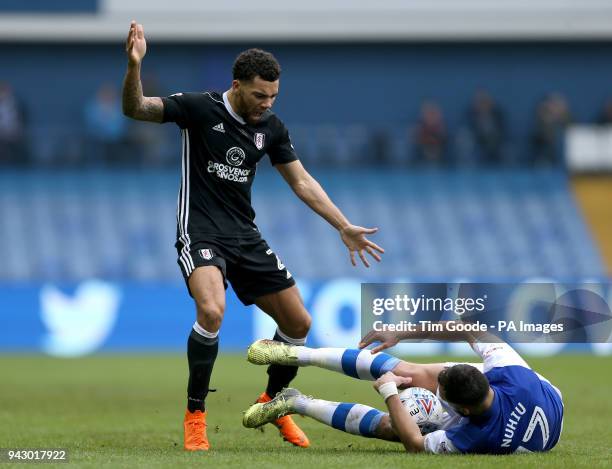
<point>464,385</point>
<point>256,62</point>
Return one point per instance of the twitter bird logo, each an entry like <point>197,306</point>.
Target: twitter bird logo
<point>79,324</point>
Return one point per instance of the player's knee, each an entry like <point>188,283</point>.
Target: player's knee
<point>306,322</point>
<point>295,326</point>
<point>301,327</point>
<point>210,315</point>
<point>211,323</point>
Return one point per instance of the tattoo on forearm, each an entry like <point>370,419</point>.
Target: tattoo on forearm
<point>132,93</point>
<point>152,110</point>
<point>136,105</point>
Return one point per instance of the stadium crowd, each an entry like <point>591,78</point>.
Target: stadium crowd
<point>483,136</point>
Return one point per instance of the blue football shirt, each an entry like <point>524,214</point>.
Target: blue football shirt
<point>526,414</point>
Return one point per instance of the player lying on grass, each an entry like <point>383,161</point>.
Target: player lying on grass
<point>498,406</point>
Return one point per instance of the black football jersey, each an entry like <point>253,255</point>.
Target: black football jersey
<point>220,155</point>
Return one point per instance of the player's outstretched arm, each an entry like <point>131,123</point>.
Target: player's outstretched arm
<point>403,424</point>
<point>135,105</point>
<point>312,194</point>
<point>387,339</point>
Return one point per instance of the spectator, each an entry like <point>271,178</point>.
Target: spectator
<point>486,126</point>
<point>605,116</point>
<point>380,147</point>
<point>552,118</point>
<point>106,128</point>
<point>12,128</point>
<point>430,136</point>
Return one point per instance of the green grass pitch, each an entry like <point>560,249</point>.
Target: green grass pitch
<point>126,411</point>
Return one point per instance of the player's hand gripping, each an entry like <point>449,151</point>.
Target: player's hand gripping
<point>385,339</point>
<point>355,240</point>
<point>389,377</point>
<point>135,45</point>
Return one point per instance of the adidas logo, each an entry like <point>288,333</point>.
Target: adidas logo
<point>219,128</point>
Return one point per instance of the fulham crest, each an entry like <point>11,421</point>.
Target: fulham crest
<point>206,254</point>
<point>259,140</point>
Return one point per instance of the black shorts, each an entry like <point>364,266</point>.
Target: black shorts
<point>249,264</point>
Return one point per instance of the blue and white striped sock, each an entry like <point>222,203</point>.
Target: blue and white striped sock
<point>360,364</point>
<point>356,419</point>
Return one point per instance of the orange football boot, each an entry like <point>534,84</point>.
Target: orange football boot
<point>287,427</point>
<point>195,431</point>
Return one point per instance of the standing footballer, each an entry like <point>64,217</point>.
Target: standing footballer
<point>224,136</point>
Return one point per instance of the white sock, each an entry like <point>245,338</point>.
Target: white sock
<point>359,364</point>
<point>356,419</point>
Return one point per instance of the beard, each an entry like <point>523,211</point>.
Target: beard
<point>251,115</point>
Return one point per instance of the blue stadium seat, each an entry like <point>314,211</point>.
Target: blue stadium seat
<point>483,225</point>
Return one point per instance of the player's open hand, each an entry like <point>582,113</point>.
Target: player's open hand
<point>385,340</point>
<point>135,45</point>
<point>402,382</point>
<point>354,237</point>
